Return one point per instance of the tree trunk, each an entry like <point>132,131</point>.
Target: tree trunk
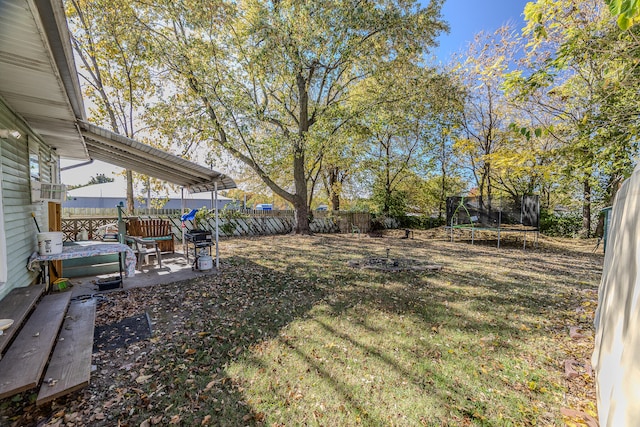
<point>299,176</point>
<point>586,210</point>
<point>387,185</point>
<point>335,200</point>
<point>130,201</point>
<point>302,217</point>
<point>300,198</point>
<point>334,195</point>
<point>443,186</point>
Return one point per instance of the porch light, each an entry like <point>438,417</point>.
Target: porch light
<point>6,133</point>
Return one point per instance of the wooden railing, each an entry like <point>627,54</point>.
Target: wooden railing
<point>72,227</point>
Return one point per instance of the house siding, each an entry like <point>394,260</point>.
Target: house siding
<point>19,227</point>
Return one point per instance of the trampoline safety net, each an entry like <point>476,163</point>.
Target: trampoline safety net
<point>493,213</point>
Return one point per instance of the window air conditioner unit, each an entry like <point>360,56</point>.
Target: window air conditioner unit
<point>45,191</point>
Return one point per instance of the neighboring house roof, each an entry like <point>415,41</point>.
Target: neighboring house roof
<point>118,189</point>
<point>40,83</point>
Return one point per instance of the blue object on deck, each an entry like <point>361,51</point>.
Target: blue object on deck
<point>190,216</point>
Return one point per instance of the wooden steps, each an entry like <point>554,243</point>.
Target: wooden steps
<point>17,305</point>
<point>29,342</point>
<point>24,362</point>
<point>70,366</point>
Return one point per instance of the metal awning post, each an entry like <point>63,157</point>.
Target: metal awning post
<point>216,210</point>
<point>182,224</point>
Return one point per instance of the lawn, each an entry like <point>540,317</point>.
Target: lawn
<point>288,334</point>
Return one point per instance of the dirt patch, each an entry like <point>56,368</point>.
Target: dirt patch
<point>123,333</point>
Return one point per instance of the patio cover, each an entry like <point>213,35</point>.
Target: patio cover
<point>110,147</point>
<point>40,83</point>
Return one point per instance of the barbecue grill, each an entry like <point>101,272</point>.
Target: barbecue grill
<point>201,240</point>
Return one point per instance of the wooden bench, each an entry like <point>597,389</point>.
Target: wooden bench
<point>156,229</point>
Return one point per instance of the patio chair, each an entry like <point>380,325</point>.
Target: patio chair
<point>355,229</point>
<point>143,248</point>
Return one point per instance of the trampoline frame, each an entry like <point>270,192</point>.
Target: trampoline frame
<point>510,228</point>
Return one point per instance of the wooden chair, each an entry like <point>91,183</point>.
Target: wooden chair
<point>143,248</point>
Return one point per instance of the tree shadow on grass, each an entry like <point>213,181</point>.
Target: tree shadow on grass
<point>179,376</point>
<point>204,326</point>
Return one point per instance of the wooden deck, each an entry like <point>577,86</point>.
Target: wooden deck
<point>27,346</point>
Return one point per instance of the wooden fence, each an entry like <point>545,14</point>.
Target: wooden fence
<point>159,213</point>
<point>247,224</point>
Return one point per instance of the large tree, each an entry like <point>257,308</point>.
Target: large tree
<point>583,72</point>
<point>113,52</point>
<point>267,81</point>
<point>486,113</point>
<point>404,134</point>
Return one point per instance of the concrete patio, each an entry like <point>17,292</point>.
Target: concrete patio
<point>174,268</point>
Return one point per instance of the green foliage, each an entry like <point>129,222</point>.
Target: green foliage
<point>202,216</point>
<point>627,11</point>
<point>228,228</point>
<point>390,203</point>
<point>381,222</point>
<point>420,222</point>
<point>274,83</point>
<point>560,224</point>
<point>228,212</point>
<point>100,179</point>
<point>588,95</point>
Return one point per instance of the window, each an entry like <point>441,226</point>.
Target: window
<point>34,160</point>
<point>34,166</point>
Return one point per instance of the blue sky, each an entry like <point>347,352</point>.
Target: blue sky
<point>468,17</point>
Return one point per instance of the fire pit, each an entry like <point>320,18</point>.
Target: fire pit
<point>393,264</point>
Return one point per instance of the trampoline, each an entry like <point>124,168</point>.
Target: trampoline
<point>497,216</point>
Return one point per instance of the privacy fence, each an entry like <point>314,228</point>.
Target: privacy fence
<point>243,223</point>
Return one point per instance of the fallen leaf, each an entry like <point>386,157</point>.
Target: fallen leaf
<point>572,413</point>
<point>143,378</point>
<point>175,419</point>
<point>569,372</point>
<point>205,420</point>
<point>574,332</point>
